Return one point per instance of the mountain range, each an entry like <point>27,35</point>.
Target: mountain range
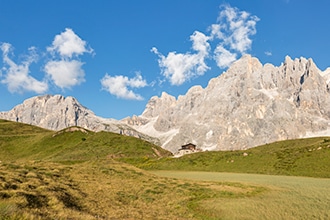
<point>248,105</point>
<point>56,112</point>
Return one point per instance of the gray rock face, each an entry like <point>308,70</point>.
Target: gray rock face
<point>51,112</point>
<point>249,105</point>
<point>58,112</point>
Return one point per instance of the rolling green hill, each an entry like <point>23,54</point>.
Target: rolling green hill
<point>21,142</point>
<point>79,174</point>
<point>301,157</point>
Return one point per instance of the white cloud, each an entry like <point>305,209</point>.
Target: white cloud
<point>268,53</point>
<point>216,32</point>
<point>179,67</point>
<point>200,43</point>
<point>232,34</point>
<point>234,29</point>
<point>65,73</point>
<point>223,57</point>
<point>17,77</point>
<point>5,47</point>
<point>121,86</point>
<point>68,44</point>
<point>64,68</point>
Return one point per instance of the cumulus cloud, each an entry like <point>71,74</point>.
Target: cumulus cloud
<point>66,71</point>
<point>180,67</point>
<point>233,29</point>
<point>232,35</point>
<point>16,76</point>
<point>68,44</point>
<point>63,68</point>
<point>121,86</point>
<point>223,57</point>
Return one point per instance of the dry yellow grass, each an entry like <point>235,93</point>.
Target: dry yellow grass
<point>103,189</point>
<point>286,197</point>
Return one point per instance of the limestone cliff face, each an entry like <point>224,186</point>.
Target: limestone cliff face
<point>249,105</point>
<point>51,112</point>
<point>58,112</point>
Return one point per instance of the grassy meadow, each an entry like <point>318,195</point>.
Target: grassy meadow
<point>101,190</point>
<point>287,197</point>
<point>79,174</point>
<point>301,157</point>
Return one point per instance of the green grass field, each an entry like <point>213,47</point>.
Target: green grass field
<point>302,157</point>
<point>79,174</point>
<point>287,197</point>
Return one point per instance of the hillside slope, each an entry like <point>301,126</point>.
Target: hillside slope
<point>78,174</point>
<point>300,157</point>
<point>26,142</point>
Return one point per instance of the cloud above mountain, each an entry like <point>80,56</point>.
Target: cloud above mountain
<point>233,29</point>
<point>63,69</point>
<point>232,35</point>
<point>68,44</point>
<point>62,60</point>
<point>16,76</point>
<point>179,67</point>
<point>65,73</point>
<point>122,86</point>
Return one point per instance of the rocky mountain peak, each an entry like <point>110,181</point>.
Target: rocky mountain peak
<point>56,112</point>
<point>248,105</point>
<point>246,65</point>
<point>326,75</point>
<point>158,104</point>
<point>53,112</point>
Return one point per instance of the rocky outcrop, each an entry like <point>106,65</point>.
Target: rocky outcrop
<point>56,112</point>
<point>51,112</point>
<point>248,105</point>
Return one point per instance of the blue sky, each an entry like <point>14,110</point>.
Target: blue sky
<point>113,56</point>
